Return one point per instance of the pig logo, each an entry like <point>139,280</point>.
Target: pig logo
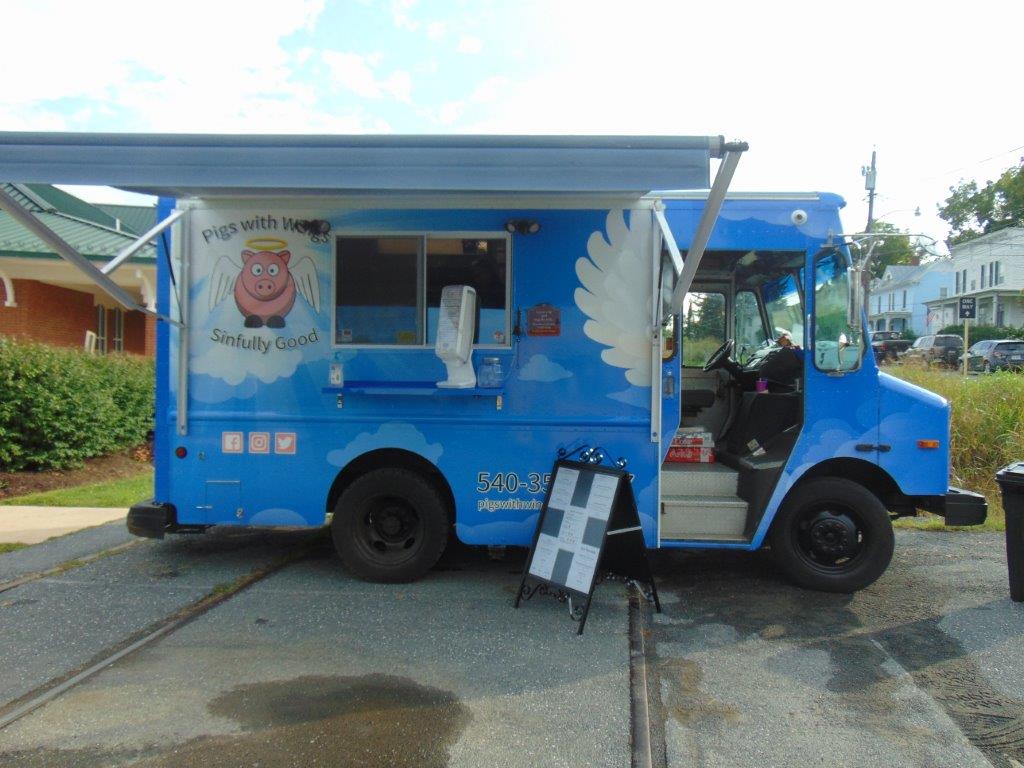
<point>265,284</point>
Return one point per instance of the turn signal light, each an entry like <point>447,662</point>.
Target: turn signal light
<point>927,443</point>
<point>181,452</point>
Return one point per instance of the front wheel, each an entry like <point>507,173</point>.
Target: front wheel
<point>390,525</point>
<point>832,535</point>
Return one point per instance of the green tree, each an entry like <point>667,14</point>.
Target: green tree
<point>972,211</point>
<point>897,249</point>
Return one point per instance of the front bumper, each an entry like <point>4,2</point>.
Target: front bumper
<point>958,506</point>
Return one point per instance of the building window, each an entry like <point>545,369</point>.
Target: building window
<point>958,281</point>
<point>991,270</point>
<point>117,340</point>
<point>388,288</point>
<point>963,282</point>
<point>904,300</point>
<point>101,329</point>
<point>999,278</point>
<point>981,279</point>
<point>879,304</point>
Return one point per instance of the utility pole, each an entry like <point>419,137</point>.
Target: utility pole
<point>868,172</point>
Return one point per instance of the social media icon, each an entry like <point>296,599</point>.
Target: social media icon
<point>284,443</point>
<point>259,442</point>
<point>231,442</point>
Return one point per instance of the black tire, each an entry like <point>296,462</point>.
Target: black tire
<point>390,525</point>
<point>832,535</point>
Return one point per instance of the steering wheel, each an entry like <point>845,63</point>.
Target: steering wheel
<point>720,356</point>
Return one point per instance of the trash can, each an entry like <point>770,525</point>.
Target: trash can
<point>1011,482</point>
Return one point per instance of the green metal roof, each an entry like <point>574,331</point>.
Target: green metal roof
<point>59,200</point>
<point>51,206</point>
<point>134,218</point>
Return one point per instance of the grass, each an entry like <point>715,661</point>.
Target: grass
<point>12,546</point>
<point>115,493</point>
<point>987,429</point>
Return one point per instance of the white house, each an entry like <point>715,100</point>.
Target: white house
<point>897,301</point>
<point>990,268</point>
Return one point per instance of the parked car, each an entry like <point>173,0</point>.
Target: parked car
<point>996,355</point>
<point>888,345</point>
<point>940,349</point>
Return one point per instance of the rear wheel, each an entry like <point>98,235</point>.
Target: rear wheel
<point>390,525</point>
<point>832,535</point>
<point>987,368</point>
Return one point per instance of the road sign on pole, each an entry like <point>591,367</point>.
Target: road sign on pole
<point>968,308</point>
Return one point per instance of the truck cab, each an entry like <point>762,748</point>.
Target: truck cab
<point>815,449</point>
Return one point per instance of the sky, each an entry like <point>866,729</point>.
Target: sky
<point>813,87</point>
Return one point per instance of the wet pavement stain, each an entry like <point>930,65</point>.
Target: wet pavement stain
<point>330,722</point>
<point>686,702</point>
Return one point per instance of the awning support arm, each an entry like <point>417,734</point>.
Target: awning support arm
<point>65,251</point>
<point>713,206</point>
<point>139,244</point>
<point>670,241</point>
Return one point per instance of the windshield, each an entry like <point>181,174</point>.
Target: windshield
<point>785,309</point>
<point>948,341</point>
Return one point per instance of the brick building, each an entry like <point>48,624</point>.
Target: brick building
<point>46,299</point>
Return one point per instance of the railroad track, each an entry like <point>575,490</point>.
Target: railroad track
<point>14,710</point>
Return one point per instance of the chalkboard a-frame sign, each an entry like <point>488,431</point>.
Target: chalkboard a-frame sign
<point>589,522</point>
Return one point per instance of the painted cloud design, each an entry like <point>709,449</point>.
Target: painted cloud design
<point>540,368</point>
<point>615,294</point>
<point>392,435</point>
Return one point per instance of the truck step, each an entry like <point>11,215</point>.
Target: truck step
<point>698,480</point>
<point>703,517</point>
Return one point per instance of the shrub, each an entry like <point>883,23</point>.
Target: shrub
<point>60,406</point>
<point>985,332</point>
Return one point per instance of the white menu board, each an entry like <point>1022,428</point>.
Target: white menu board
<point>573,527</point>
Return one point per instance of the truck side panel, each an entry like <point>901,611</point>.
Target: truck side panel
<point>267,427</point>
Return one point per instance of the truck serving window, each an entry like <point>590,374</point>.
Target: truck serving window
<point>481,263</point>
<point>377,291</point>
<point>388,288</point>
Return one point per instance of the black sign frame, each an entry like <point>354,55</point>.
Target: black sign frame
<point>622,549</point>
<point>967,307</point>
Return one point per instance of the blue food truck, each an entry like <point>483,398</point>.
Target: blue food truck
<point>395,336</point>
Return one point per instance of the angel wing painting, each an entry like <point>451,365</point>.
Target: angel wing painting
<point>615,294</point>
<point>265,285</point>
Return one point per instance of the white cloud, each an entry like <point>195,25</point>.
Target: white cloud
<point>400,14</point>
<point>470,45</point>
<point>450,112</point>
<point>541,368</point>
<point>436,30</point>
<point>355,72</point>
<point>389,435</point>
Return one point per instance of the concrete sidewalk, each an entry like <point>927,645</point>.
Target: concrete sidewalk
<point>31,525</point>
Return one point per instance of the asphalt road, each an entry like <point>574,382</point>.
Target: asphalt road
<point>311,667</point>
<point>924,668</point>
